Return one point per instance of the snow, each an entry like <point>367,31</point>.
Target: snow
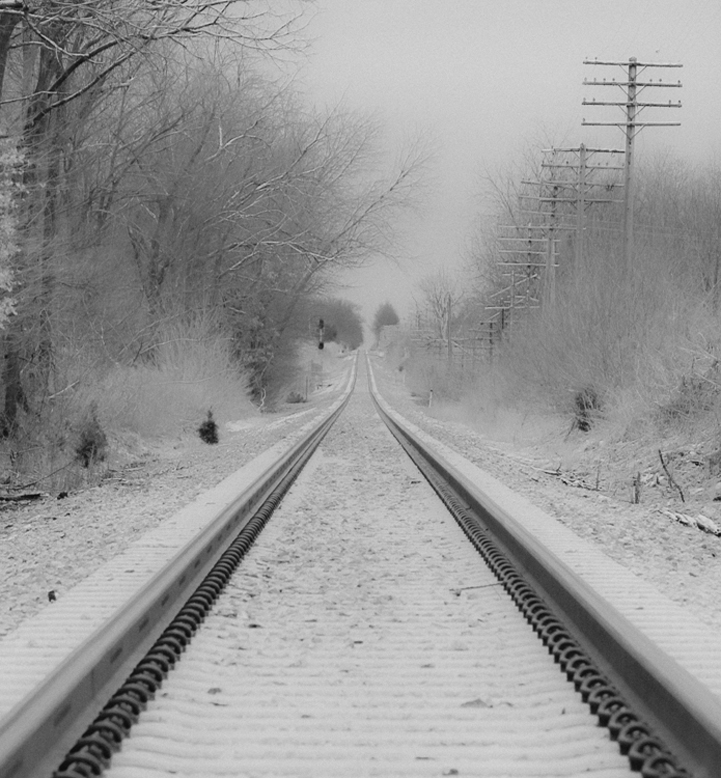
<point>53,544</point>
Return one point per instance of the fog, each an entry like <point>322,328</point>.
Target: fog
<point>480,80</point>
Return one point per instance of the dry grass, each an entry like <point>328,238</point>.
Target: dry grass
<point>634,337</point>
<point>192,372</point>
<point>644,340</point>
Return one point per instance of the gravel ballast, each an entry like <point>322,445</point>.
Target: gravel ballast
<point>363,636</point>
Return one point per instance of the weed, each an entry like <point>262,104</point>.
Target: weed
<point>695,394</point>
<point>92,445</point>
<point>208,430</point>
<point>586,407</point>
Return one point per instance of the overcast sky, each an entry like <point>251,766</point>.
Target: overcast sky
<point>481,79</point>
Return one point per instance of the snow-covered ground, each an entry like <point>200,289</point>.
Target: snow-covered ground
<point>680,560</point>
<point>363,636</point>
<point>53,544</point>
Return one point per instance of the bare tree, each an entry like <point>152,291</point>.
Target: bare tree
<point>226,193</point>
<point>441,294</point>
<point>60,61</point>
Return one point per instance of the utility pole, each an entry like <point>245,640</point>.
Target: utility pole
<point>566,183</point>
<point>581,204</point>
<point>449,339</point>
<point>631,126</point>
<point>549,275</point>
<point>573,169</point>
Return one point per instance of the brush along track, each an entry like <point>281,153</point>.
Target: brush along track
<point>361,636</point>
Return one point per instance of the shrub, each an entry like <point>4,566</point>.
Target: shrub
<point>92,445</point>
<point>587,406</point>
<point>192,369</point>
<point>97,408</point>
<point>694,395</point>
<point>208,430</point>
<point>630,333</point>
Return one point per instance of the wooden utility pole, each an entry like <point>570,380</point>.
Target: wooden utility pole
<point>449,339</point>
<point>566,182</point>
<point>578,184</point>
<point>631,108</point>
<point>581,205</point>
<point>549,275</point>
<point>631,126</point>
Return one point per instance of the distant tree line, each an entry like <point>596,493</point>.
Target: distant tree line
<point>641,337</point>
<point>385,316</point>
<point>342,322</point>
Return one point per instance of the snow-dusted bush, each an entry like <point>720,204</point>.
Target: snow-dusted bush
<point>192,369</point>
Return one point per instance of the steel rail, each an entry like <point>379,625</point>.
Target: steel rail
<point>680,710</point>
<point>38,732</point>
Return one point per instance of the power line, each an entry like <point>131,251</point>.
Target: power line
<point>631,126</point>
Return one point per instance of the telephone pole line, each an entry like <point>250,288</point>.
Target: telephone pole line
<point>631,126</point>
<point>571,173</point>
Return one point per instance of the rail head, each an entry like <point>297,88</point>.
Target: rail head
<point>684,712</point>
<point>36,734</point>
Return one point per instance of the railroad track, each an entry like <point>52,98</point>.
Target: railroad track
<point>362,635</point>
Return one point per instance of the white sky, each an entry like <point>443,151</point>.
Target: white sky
<point>482,79</point>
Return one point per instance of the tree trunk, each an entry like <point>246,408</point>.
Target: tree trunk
<point>8,22</point>
<point>15,399</point>
<point>40,181</point>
